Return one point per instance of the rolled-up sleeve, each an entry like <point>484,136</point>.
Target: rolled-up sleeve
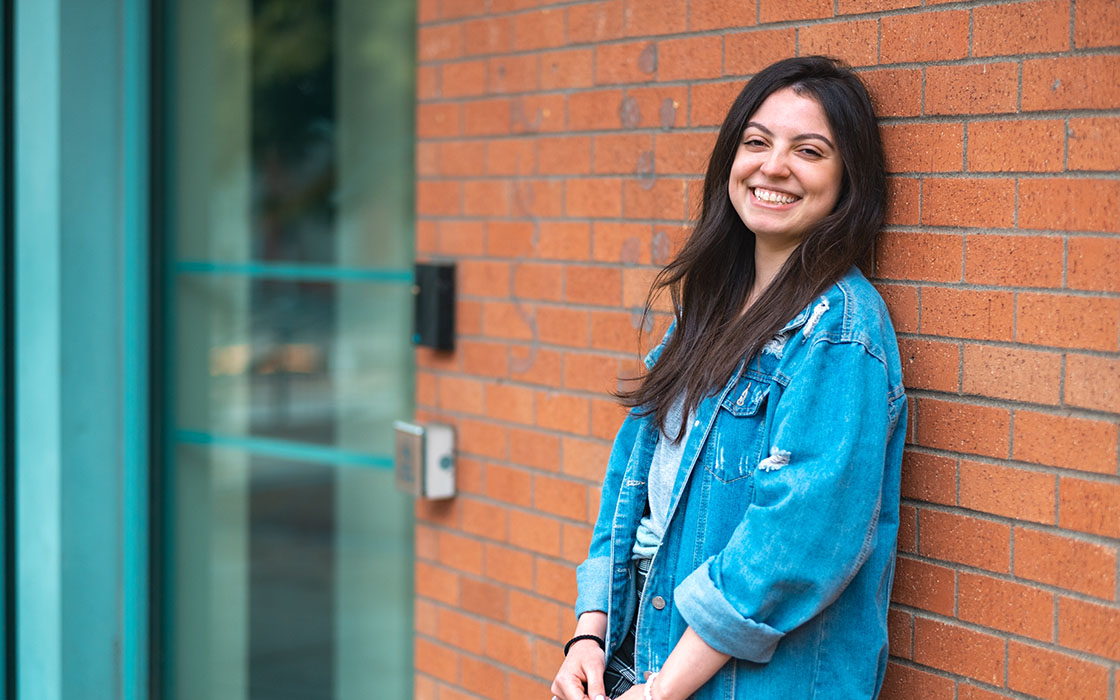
<point>814,510</point>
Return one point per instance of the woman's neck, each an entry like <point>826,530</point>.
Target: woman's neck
<point>767,264</point>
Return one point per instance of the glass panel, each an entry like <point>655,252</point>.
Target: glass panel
<point>317,362</point>
<point>284,590</point>
<point>293,126</point>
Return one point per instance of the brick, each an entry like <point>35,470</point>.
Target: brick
<point>538,198</point>
<point>658,106</point>
<point>853,7</point>
<point>538,281</point>
<point>1089,506</point>
<point>485,359</point>
<point>590,372</point>
<point>437,583</point>
<point>967,691</point>
<point>1077,82</point>
<point>564,155</point>
<point>509,239</point>
<point>597,285</point>
<point>958,650</point>
<point>1096,23</point>
<point>509,566</point>
<point>478,677</point>
<point>537,533</point>
<point>970,202</point>
<point>460,394</point>
<point>437,198</point>
<point>483,519</point>
<point>1016,146</point>
<point>1006,606</point>
<point>483,439</point>
<point>1008,261</point>
<point>483,278</point>
<point>923,148</point>
<point>898,633</point>
<point>903,201</point>
<point>556,580</point>
<point>509,647</point>
<point>655,17</point>
<point>923,585</point>
<point>486,36</point>
<point>461,553</point>
<point>1069,204</point>
<point>533,448</point>
<point>576,539</point>
<point>514,74</point>
<point>907,529</point>
<point>509,485</point>
<point>1053,675</point>
<point>708,102</point>
<point>463,79</point>
<point>526,687</point>
<point>451,9</point>
<point>585,459</point>
<point>563,70</point>
<point>439,43</point>
<point>907,682</point>
<point>747,53</point>
<point>965,313</point>
<point>593,198</point>
<point>606,418</point>
<point>620,154</point>
<point>541,29</point>
<point>1062,441</point>
<point>902,303</point>
<point>511,157</point>
<point>854,42</point>
<point>468,319</point>
<point>625,243</point>
<point>625,63</point>
<point>536,114</point>
<point>930,478</point>
<point>659,198</point>
<point>536,365</point>
<point>1065,562</point>
<point>989,88</point>
<point>965,540</point>
<point>595,22</point>
<point>1021,27</point>
<point>1093,382</point>
<point>615,330</point>
<point>919,256</point>
<point>463,238</point>
<point>538,616</point>
<point>1089,627</point>
<point>780,11</point>
<point>719,14</point>
<point>1094,143</point>
<point>923,37</point>
<point>895,92</point>
<point>461,157</point>
<point>1093,263</point>
<point>563,412</point>
<point>929,364</point>
<point>561,497</point>
<point>436,660</point>
<point>562,326</point>
<point>486,117</point>
<point>691,58</point>
<point>1068,321</point>
<point>1012,373</point>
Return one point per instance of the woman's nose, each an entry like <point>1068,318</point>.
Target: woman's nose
<point>775,164</point>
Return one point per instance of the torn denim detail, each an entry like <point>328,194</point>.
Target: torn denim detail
<point>818,311</point>
<point>777,459</point>
<point>776,345</point>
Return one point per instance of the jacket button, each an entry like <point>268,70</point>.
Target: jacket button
<point>658,603</point>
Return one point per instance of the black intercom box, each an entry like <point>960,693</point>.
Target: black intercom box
<point>434,292</point>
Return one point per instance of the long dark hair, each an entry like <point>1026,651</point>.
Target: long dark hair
<point>711,277</point>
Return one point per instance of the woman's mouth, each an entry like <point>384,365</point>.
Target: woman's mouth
<point>773,196</point>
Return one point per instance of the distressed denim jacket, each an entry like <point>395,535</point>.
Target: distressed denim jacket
<point>779,548</point>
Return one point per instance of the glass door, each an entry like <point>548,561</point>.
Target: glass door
<point>288,553</point>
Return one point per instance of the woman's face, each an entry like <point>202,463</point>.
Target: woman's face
<point>787,172</point>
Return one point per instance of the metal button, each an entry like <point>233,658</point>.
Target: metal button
<point>658,603</point>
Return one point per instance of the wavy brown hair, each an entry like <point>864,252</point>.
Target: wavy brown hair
<point>711,277</point>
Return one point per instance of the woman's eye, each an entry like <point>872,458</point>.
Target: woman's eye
<point>811,152</point>
<point>754,142</point>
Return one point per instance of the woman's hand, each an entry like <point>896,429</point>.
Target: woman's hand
<point>583,667</point>
<point>636,692</point>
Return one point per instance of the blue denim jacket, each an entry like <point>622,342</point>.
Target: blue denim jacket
<point>780,542</point>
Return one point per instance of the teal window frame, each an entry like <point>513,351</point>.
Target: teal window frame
<point>80,339</point>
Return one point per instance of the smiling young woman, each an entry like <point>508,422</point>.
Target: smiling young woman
<point>746,535</point>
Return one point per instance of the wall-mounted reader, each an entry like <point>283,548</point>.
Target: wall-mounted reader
<point>434,293</point>
<point>424,459</point>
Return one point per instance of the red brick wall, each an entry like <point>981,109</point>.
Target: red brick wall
<point>559,145</point>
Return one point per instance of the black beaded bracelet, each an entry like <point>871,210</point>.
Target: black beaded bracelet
<point>580,638</point>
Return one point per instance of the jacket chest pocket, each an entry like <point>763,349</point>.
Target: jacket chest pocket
<point>735,444</point>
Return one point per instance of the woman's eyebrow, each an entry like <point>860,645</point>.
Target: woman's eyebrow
<point>799,137</point>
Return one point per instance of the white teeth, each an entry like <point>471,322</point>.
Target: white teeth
<point>774,197</point>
